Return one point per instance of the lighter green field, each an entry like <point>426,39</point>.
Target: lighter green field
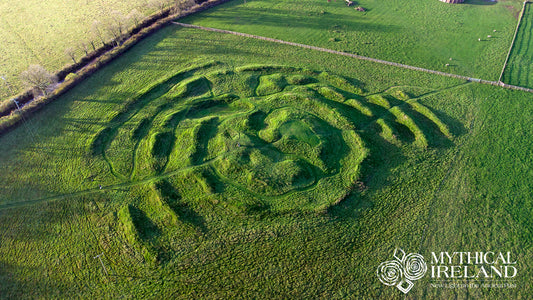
<point>237,168</point>
<point>38,32</point>
<point>421,33</point>
<point>519,69</point>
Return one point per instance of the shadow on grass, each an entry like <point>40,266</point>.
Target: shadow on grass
<point>171,196</point>
<point>386,156</point>
<point>162,148</point>
<point>280,18</point>
<point>145,227</point>
<point>481,2</point>
<point>208,129</point>
<point>33,283</point>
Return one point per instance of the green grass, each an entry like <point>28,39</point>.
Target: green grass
<point>284,159</point>
<point>38,32</point>
<point>421,33</point>
<point>519,70</point>
<point>300,131</point>
<point>192,228</point>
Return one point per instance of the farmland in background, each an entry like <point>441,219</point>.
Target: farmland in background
<point>420,33</point>
<point>39,32</point>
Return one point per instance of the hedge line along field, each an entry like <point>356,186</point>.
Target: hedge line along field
<point>420,33</point>
<point>137,163</point>
<point>519,70</point>
<point>39,32</point>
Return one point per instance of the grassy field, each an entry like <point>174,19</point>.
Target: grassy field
<point>383,31</point>
<point>38,32</point>
<point>419,33</point>
<point>519,69</point>
<point>145,162</point>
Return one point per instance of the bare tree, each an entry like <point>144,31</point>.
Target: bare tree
<point>135,17</point>
<point>83,46</point>
<point>70,52</point>
<point>183,5</point>
<point>92,43</point>
<point>158,5</point>
<point>38,78</point>
<point>116,26</point>
<point>97,32</point>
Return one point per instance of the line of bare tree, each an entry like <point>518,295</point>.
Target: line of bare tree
<point>115,27</point>
<point>113,30</point>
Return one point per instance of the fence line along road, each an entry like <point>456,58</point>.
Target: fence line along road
<point>496,83</point>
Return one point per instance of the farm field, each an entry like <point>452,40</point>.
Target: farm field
<point>165,161</point>
<point>420,33</point>
<point>39,32</point>
<point>519,69</point>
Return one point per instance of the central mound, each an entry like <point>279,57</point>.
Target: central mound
<point>255,137</point>
<point>284,150</point>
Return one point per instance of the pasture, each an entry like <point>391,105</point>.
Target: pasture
<point>39,32</point>
<point>205,165</point>
<point>519,69</point>
<point>419,33</point>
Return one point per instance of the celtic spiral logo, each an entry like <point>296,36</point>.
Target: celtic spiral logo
<point>402,270</point>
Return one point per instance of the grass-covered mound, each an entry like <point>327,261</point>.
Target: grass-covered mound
<point>259,137</point>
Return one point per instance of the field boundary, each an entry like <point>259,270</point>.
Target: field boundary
<point>514,39</point>
<point>360,57</point>
<point>25,104</point>
<point>136,33</point>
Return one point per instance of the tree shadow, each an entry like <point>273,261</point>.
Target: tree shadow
<point>14,286</point>
<point>273,17</point>
<point>481,2</point>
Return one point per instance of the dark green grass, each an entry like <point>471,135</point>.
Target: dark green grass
<point>142,130</point>
<point>203,133</point>
<point>421,33</point>
<point>519,70</point>
<point>472,194</point>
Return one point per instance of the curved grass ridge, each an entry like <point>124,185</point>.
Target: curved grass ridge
<point>253,138</point>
